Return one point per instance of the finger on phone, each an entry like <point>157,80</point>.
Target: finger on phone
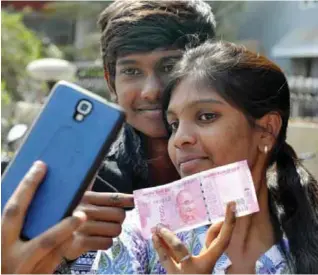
<point>15,210</point>
<point>109,199</point>
<point>55,236</point>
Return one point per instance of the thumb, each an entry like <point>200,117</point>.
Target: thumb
<point>219,237</point>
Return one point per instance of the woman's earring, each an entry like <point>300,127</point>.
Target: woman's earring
<point>266,149</point>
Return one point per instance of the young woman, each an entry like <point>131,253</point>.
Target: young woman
<point>226,104</point>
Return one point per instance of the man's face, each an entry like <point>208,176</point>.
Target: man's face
<point>139,82</point>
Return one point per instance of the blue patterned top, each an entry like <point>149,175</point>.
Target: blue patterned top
<point>131,254</point>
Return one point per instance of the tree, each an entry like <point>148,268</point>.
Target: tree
<point>19,46</point>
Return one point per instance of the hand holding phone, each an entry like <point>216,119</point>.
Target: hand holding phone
<point>71,135</point>
<point>42,254</point>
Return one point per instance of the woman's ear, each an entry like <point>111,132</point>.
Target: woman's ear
<point>270,125</point>
<point>111,89</point>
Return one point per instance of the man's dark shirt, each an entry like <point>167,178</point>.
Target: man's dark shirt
<point>125,166</point>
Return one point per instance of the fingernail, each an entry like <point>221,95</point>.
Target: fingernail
<point>35,168</point>
<point>80,214</point>
<point>159,228</point>
<point>37,165</point>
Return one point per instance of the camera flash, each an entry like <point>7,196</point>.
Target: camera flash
<point>79,117</point>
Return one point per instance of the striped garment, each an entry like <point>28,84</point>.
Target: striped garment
<point>131,254</point>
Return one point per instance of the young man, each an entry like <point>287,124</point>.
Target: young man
<point>141,41</point>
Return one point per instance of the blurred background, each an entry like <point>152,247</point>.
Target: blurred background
<point>46,41</point>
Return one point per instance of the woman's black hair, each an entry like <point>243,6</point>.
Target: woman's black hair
<point>257,86</point>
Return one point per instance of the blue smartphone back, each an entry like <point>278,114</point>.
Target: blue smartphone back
<point>72,145</point>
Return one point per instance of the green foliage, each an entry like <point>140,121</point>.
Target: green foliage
<point>19,46</point>
<point>76,9</point>
<point>5,98</point>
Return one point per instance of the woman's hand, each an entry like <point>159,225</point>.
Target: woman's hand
<point>43,253</point>
<point>175,257</point>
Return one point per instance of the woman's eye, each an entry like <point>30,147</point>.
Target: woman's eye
<point>173,126</point>
<point>131,71</point>
<point>167,68</point>
<point>207,116</point>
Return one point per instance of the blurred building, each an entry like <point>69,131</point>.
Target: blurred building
<point>61,31</point>
<point>69,33</point>
<point>287,32</point>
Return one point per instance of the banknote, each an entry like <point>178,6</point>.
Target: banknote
<point>227,183</point>
<point>196,200</point>
<point>179,205</point>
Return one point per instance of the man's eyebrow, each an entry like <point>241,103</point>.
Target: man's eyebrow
<point>126,61</point>
<point>197,102</point>
<point>170,58</point>
<point>129,61</point>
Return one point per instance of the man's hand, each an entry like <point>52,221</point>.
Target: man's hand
<point>43,253</point>
<point>105,215</point>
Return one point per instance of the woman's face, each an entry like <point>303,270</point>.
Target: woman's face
<point>206,130</point>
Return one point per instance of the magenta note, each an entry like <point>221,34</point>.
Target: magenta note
<point>177,206</point>
<point>197,200</point>
<point>231,182</point>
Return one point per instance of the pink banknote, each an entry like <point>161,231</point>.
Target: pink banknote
<point>175,206</point>
<point>227,183</point>
<point>196,200</point>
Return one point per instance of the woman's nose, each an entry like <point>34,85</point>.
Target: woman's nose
<point>184,136</point>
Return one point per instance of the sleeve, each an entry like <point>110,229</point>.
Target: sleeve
<point>82,265</point>
<point>128,255</point>
<point>124,168</point>
<point>114,176</point>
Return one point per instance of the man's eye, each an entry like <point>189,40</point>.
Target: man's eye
<point>207,116</point>
<point>131,71</point>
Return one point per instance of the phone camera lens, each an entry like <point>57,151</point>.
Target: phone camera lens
<point>84,107</point>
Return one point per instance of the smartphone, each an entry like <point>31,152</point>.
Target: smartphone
<point>71,135</point>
